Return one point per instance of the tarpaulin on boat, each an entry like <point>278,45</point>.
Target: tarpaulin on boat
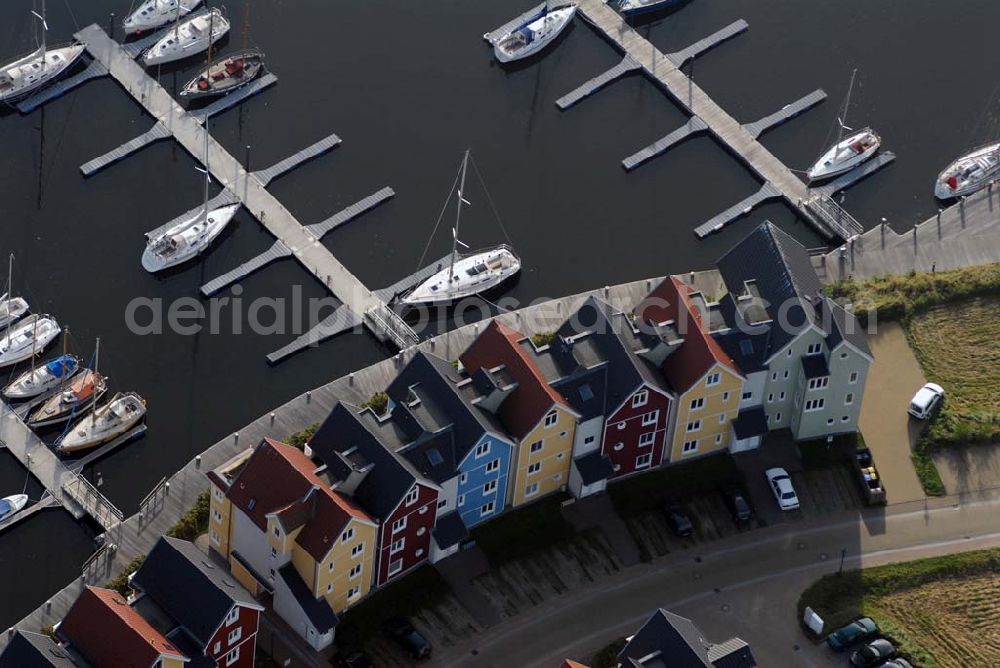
<point>60,366</point>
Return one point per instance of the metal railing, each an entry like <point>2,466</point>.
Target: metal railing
<point>834,216</point>
<point>95,504</point>
<point>388,322</point>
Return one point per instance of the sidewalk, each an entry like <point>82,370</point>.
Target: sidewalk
<point>596,512</point>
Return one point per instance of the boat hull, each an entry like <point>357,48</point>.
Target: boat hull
<point>31,384</point>
<point>153,14</point>
<point>57,61</point>
<point>425,293</point>
<point>833,164</point>
<point>12,505</point>
<point>14,310</point>
<point>220,80</point>
<point>633,8</point>
<point>188,43</point>
<point>511,47</point>
<point>197,241</point>
<point>90,432</point>
<point>56,411</point>
<point>986,160</point>
<point>28,339</point>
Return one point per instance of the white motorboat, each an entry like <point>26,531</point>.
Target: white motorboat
<point>29,337</point>
<point>104,424</point>
<point>848,152</point>
<point>189,37</point>
<point>11,309</point>
<point>153,14</point>
<point>969,173</point>
<point>9,505</point>
<point>187,239</point>
<point>534,34</point>
<point>47,377</point>
<point>29,73</point>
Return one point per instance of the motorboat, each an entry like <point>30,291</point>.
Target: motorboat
<point>82,393</point>
<point>28,338</point>
<point>534,33</point>
<point>189,37</point>
<point>12,309</point>
<point>637,7</point>
<point>846,154</point>
<point>104,424</point>
<point>187,239</point>
<point>226,75</point>
<point>153,14</point>
<point>47,377</point>
<point>9,505</point>
<point>969,173</point>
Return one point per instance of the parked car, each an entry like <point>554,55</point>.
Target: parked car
<point>353,660</point>
<point>737,504</point>
<point>926,400</point>
<point>898,663</point>
<point>677,518</point>
<point>781,485</point>
<point>857,631</point>
<point>407,637</point>
<point>873,654</point>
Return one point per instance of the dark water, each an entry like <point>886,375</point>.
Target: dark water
<point>408,85</point>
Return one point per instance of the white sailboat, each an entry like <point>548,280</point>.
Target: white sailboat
<point>104,424</point>
<point>967,174</point>
<point>31,72</point>
<point>28,338</point>
<point>466,275</point>
<point>189,37</point>
<point>190,237</point>
<point>533,34</point>
<point>848,152</point>
<point>52,374</point>
<point>9,505</point>
<point>11,308</point>
<point>153,14</point>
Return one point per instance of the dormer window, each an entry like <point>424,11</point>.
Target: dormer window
<point>640,398</point>
<point>411,496</point>
<point>348,535</point>
<point>814,349</point>
<point>713,380</point>
<point>551,418</point>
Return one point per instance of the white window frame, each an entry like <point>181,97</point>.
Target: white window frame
<point>233,616</point>
<point>849,399</point>
<point>689,447</point>
<point>411,496</point>
<point>493,465</point>
<point>640,398</point>
<point>532,449</point>
<point>490,487</point>
<point>814,405</point>
<point>722,418</point>
<point>482,450</point>
<point>814,349</point>
<point>713,379</point>
<point>233,656</point>
<point>397,546</point>
<point>646,459</point>
<point>399,524</point>
<point>488,508</point>
<point>697,404</point>
<point>853,377</point>
<point>551,418</point>
<point>356,551</point>
<point>647,439</point>
<point>531,489</point>
<point>394,567</point>
<point>534,468</point>
<point>353,592</point>
<point>356,571</point>
<point>693,426</point>
<point>819,383</point>
<point>650,418</point>
<point>347,535</point>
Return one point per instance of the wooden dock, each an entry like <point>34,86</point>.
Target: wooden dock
<point>328,143</point>
<point>154,134</point>
<point>93,71</point>
<point>277,251</point>
<point>787,112</point>
<point>628,64</point>
<point>694,126</point>
<point>735,28</point>
<point>738,210</point>
<point>351,212</point>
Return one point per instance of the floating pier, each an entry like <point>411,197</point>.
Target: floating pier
<point>277,251</point>
<point>660,146</point>
<point>493,35</point>
<point>154,134</point>
<point>678,58</point>
<point>47,501</point>
<point>228,101</point>
<point>338,322</point>
<point>787,112</point>
<point>265,176</point>
<point>93,71</point>
<point>742,208</point>
<point>628,64</point>
<point>845,181</point>
<point>320,230</point>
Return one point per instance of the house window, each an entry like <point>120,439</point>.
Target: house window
<point>725,397</point>
<point>854,376</point>
<point>355,571</point>
<point>551,418</point>
<point>843,356</point>
<point>819,383</point>
<point>217,493</point>
<point>218,517</point>
<point>421,531</point>
<point>534,468</point>
<point>461,500</point>
<point>557,477</point>
<point>329,587</point>
<point>694,425</point>
<point>814,349</point>
<point>560,455</point>
<point>643,461</point>
<point>482,449</point>
<point>274,552</point>
<point>536,446</point>
<point>690,446</point>
<point>330,567</point>
<point>531,489</point>
<point>697,404</point>
<point>788,353</point>
<point>620,425</point>
<point>650,418</point>
<point>713,380</point>
<point>849,399</point>
<point>464,478</point>
<point>443,503</point>
<point>277,531</point>
<point>647,439</point>
<point>355,551</point>
<point>845,418</point>
<point>353,592</point>
<point>777,418</point>
<point>619,447</point>
<point>411,496</point>
<point>487,509</point>
<point>233,616</point>
<point>774,375</point>
<point>747,396</point>
<point>588,440</point>
<point>348,535</point>
<point>829,421</point>
<point>215,537</point>
<point>233,657</point>
<point>216,648</point>
<point>785,375</point>
<point>640,398</point>
<point>420,552</point>
<point>718,439</point>
<point>395,567</point>
<point>770,397</point>
<point>235,635</point>
<point>490,487</point>
<point>781,397</point>
<point>494,465</point>
<point>815,405</point>
<point>722,418</point>
<point>399,525</point>
<point>397,546</point>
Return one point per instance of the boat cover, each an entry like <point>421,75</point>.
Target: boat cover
<point>5,508</point>
<point>60,366</point>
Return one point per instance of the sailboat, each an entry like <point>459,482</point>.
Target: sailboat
<point>9,505</point>
<point>637,7</point>
<point>967,174</point>
<point>31,72</point>
<point>534,34</point>
<point>82,393</point>
<point>38,380</point>
<point>152,14</point>
<point>190,237</point>
<point>848,152</point>
<point>228,74</point>
<point>11,308</point>
<point>466,275</point>
<point>104,424</point>
<point>28,338</point>
<point>189,37</point>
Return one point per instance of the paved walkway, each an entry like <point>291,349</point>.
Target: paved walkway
<point>459,570</point>
<point>596,512</point>
<point>887,427</point>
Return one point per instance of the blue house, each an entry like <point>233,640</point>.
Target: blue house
<point>454,440</point>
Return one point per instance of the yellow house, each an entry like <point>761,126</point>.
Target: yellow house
<point>704,413</point>
<point>219,508</point>
<point>538,417</point>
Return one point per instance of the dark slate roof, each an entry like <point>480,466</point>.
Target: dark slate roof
<point>681,644</point>
<point>815,366</point>
<point>844,326</point>
<point>750,422</point>
<point>594,467</point>
<point>780,268</point>
<point>346,435</point>
<point>319,612</point>
<point>450,530</point>
<point>747,350</point>
<point>188,645</point>
<point>421,455</point>
<point>34,650</point>
<point>585,389</point>
<point>195,592</point>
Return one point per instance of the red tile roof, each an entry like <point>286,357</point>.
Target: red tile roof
<point>671,300</point>
<point>108,632</point>
<point>569,663</point>
<point>533,397</point>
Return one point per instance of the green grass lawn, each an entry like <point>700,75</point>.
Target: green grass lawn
<point>640,494</point>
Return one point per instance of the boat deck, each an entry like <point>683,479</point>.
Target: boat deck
<point>493,35</point>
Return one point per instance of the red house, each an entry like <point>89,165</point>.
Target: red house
<point>359,450</point>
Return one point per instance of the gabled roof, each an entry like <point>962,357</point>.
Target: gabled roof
<point>844,327</point>
<point>682,645</point>
<point>319,612</point>
<point>193,591</point>
<point>533,397</point>
<point>106,631</point>
<point>34,650</point>
<point>671,301</point>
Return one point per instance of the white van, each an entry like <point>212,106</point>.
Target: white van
<point>925,401</point>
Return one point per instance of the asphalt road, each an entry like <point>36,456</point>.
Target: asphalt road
<point>746,585</point>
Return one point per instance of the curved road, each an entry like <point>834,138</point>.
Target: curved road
<point>747,585</point>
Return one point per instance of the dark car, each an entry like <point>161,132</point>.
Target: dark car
<point>407,637</point>
<point>737,503</point>
<point>353,660</point>
<point>857,631</point>
<point>873,654</point>
<point>677,518</point>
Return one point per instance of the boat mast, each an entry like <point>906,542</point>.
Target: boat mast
<point>842,121</point>
<point>458,218</point>
<point>62,378</point>
<point>10,276</point>
<point>246,25</point>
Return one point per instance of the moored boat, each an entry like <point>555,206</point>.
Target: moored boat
<point>846,154</point>
<point>28,73</point>
<point>85,389</point>
<point>534,34</point>
<point>153,14</point>
<point>9,505</point>
<point>104,424</point>
<point>226,75</point>
<point>637,7</point>
<point>46,377</point>
<point>11,309</point>
<point>967,174</point>
<point>187,239</point>
<point>189,37</point>
<point>29,337</point>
